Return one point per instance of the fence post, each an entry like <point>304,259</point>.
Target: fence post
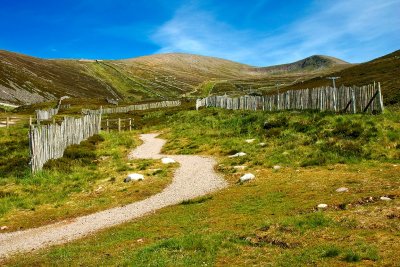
<point>107,126</point>
<point>119,124</point>
<point>130,124</point>
<point>380,98</point>
<point>30,120</point>
<point>353,100</point>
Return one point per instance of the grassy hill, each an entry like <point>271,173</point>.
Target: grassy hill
<point>26,80</point>
<point>385,69</point>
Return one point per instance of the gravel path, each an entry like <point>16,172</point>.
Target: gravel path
<point>194,177</point>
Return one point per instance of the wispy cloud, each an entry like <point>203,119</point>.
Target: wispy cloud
<point>355,30</point>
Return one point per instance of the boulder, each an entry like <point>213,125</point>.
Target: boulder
<point>322,206</point>
<point>134,177</point>
<point>277,167</point>
<point>167,160</point>
<point>262,144</point>
<point>342,189</point>
<point>385,198</point>
<point>240,167</point>
<point>250,140</point>
<point>239,154</point>
<point>247,177</point>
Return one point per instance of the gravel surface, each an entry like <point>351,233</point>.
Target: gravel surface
<point>195,177</point>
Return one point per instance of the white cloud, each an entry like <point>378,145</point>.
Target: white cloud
<point>354,30</point>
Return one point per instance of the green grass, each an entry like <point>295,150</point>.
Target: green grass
<point>291,138</point>
<point>89,177</point>
<point>273,219</point>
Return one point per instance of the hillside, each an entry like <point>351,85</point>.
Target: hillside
<point>26,80</point>
<point>384,69</point>
<point>310,63</point>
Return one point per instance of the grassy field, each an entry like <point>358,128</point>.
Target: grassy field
<point>272,220</point>
<point>88,178</point>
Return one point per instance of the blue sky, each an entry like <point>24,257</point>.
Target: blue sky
<point>260,33</point>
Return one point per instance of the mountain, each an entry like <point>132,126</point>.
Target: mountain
<point>25,79</point>
<point>385,70</point>
<point>310,63</point>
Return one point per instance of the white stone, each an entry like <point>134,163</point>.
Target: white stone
<point>167,160</point>
<point>342,189</point>
<point>262,144</point>
<point>247,177</point>
<point>240,167</point>
<point>386,198</point>
<point>322,206</point>
<point>277,167</point>
<point>3,228</point>
<point>134,177</point>
<point>239,154</point>
<point>250,140</point>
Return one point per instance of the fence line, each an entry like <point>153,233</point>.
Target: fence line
<point>117,124</point>
<point>146,106</point>
<point>50,141</point>
<point>344,99</point>
<point>47,114</point>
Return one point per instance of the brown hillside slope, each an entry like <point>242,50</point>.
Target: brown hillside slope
<point>25,79</point>
<point>310,63</point>
<point>385,69</point>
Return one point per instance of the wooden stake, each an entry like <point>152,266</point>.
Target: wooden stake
<point>119,124</point>
<point>380,98</point>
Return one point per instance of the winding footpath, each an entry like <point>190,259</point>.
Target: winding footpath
<point>195,177</point>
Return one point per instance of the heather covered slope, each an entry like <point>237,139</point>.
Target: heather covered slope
<point>26,80</point>
<point>385,69</point>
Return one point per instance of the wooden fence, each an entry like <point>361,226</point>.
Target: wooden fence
<point>344,99</point>
<point>146,106</point>
<point>117,124</point>
<point>42,115</point>
<point>50,141</point>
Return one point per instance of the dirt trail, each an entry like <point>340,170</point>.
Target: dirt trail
<point>195,177</point>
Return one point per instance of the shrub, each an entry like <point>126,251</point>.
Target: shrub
<point>348,129</point>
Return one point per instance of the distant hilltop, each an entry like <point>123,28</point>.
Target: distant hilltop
<point>89,60</point>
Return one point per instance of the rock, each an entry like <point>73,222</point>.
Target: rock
<point>322,206</point>
<point>385,198</point>
<point>250,140</point>
<point>134,177</point>
<point>102,158</point>
<point>262,144</point>
<point>140,240</point>
<point>342,189</point>
<point>240,167</point>
<point>167,160</point>
<point>285,153</point>
<point>277,167</point>
<point>239,154</point>
<point>247,177</point>
<point>98,189</point>
<point>3,228</point>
